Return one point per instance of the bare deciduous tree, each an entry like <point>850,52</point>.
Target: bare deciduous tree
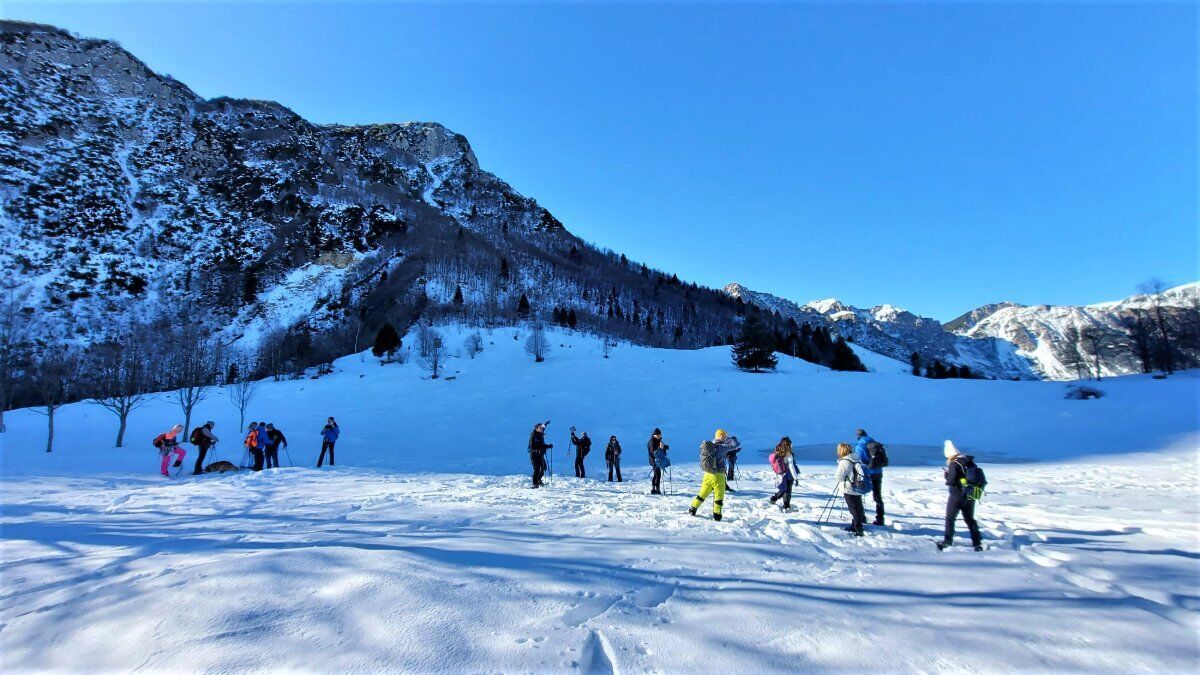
<point>1095,341</point>
<point>242,388</point>
<point>119,378</point>
<point>1072,355</point>
<point>473,344</point>
<point>425,338</point>
<point>1137,329</point>
<point>14,334</point>
<point>53,379</point>
<point>1163,349</point>
<point>536,345</point>
<point>436,355</point>
<point>606,347</point>
<point>192,363</point>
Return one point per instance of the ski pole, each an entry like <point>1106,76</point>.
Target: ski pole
<point>245,456</point>
<point>289,454</point>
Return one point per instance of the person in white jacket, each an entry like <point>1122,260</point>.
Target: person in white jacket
<point>846,471</point>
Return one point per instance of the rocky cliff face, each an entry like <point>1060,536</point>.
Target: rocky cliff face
<point>125,197</point>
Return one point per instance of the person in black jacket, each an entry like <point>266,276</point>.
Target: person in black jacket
<point>275,438</point>
<point>956,470</point>
<point>582,447</point>
<point>652,445</point>
<point>731,458</point>
<point>537,452</point>
<point>205,435</point>
<point>612,455</point>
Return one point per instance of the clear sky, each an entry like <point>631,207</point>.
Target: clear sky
<point>935,156</point>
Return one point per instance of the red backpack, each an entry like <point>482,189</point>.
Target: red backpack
<point>779,467</point>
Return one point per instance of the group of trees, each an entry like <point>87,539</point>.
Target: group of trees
<point>755,346</point>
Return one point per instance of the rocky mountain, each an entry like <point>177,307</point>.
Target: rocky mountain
<point>1009,340</point>
<point>126,198</point>
<point>898,333</point>
<point>1054,337</point>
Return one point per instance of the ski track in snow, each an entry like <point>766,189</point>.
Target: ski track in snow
<point>368,569</point>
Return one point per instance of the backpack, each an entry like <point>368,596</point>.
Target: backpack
<point>197,436</point>
<point>776,465</point>
<point>708,458</point>
<point>973,481</point>
<point>878,454</point>
<point>660,459</point>
<point>860,480</point>
<point>160,441</point>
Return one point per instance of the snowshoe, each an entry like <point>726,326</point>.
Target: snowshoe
<point>692,511</point>
<point>943,545</point>
<point>879,522</point>
<point>178,463</point>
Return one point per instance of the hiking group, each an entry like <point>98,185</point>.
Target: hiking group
<point>262,443</point>
<point>859,473</point>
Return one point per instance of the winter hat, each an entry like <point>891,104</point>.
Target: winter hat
<point>657,432</point>
<point>949,449</point>
<point>210,424</point>
<point>720,435</point>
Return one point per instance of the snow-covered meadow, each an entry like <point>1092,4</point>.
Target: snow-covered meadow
<point>423,550</point>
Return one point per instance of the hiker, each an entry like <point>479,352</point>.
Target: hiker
<point>582,447</point>
<point>612,455</point>
<point>168,443</point>
<point>329,436</point>
<point>713,463</point>
<point>962,499</point>
<point>780,460</point>
<point>874,458</point>
<point>254,446</point>
<point>853,478</point>
<point>731,460</point>
<point>537,452</point>
<point>203,438</point>
<point>275,438</point>
<point>652,446</point>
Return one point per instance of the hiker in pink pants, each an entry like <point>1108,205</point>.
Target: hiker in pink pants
<point>168,443</point>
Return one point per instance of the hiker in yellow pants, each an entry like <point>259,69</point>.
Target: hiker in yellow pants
<point>713,463</point>
<point>713,483</point>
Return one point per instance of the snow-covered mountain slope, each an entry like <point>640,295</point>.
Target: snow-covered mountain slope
<point>897,333</point>
<point>1091,560</point>
<point>124,197</point>
<point>1040,332</point>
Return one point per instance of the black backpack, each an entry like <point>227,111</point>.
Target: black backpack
<point>974,481</point>
<point>197,436</point>
<point>878,453</point>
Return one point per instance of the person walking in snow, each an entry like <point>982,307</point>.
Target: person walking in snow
<point>254,446</point>
<point>168,444</point>
<point>203,438</point>
<point>853,478</point>
<point>262,439</point>
<point>612,456</point>
<point>731,461</point>
<point>867,448</point>
<point>714,464</point>
<point>537,452</point>
<point>653,446</point>
<point>957,468</point>
<point>275,438</point>
<point>329,436</point>
<point>783,463</point>
<point>583,445</point>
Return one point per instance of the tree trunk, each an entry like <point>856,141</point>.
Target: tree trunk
<point>2,407</point>
<point>121,430</point>
<point>50,431</point>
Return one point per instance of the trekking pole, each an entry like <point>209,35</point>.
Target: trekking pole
<point>245,456</point>
<point>671,479</point>
<point>827,510</point>
<point>289,454</point>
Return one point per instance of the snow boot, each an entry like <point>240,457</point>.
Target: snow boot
<point>772,499</point>
<point>848,528</point>
<point>717,517</point>
<point>943,545</point>
<point>692,511</point>
<point>178,463</point>
<point>979,548</point>
<point>879,522</point>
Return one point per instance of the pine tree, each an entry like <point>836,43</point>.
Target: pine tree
<point>915,360</point>
<point>572,319</point>
<point>387,341</point>
<point>504,268</point>
<point>458,296</point>
<point>753,350</point>
<point>523,307</point>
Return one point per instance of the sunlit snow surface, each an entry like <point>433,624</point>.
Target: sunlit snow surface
<point>424,550</point>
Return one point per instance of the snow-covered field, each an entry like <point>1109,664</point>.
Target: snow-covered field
<point>423,550</point>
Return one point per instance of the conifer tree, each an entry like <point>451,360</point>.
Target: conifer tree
<point>754,349</point>
<point>458,296</point>
<point>387,341</point>
<point>523,307</point>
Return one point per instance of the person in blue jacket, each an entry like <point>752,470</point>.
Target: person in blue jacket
<point>863,450</point>
<point>329,436</point>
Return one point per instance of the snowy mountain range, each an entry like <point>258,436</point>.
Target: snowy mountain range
<point>1004,339</point>
<point>125,197</point>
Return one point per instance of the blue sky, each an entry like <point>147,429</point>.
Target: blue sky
<point>934,156</point>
